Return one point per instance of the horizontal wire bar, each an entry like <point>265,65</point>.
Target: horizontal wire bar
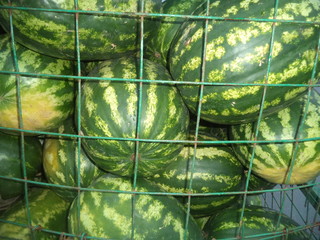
<point>162,140</point>
<point>27,74</point>
<point>160,193</point>
<point>139,14</point>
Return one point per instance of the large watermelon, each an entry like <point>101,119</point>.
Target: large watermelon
<point>216,169</point>
<point>47,210</point>
<point>162,36</point>
<point>109,109</point>
<point>115,215</point>
<point>11,163</point>
<point>258,223</point>
<point>272,161</point>
<point>60,163</point>
<point>45,102</point>
<point>101,36</point>
<point>238,52</point>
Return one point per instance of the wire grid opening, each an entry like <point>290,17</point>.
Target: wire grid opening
<point>276,198</point>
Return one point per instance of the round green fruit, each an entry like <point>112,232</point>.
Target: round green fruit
<point>110,108</point>
<point>258,223</point>
<point>120,215</point>
<point>47,210</point>
<point>101,36</point>
<point>283,162</point>
<point>237,52</point>
<point>215,169</point>
<point>60,163</point>
<point>45,102</point>
<point>11,163</point>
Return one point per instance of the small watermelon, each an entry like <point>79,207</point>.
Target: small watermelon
<point>47,211</point>
<point>101,36</point>
<point>11,163</point>
<point>109,109</point>
<point>237,52</point>
<point>117,215</point>
<point>258,223</point>
<point>216,169</point>
<point>60,163</point>
<point>45,102</point>
<point>272,161</point>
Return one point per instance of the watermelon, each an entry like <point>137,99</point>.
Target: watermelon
<point>216,169</point>
<point>60,163</point>
<point>101,36</point>
<point>258,223</point>
<point>115,215</point>
<point>237,52</point>
<point>257,183</point>
<point>162,36</point>
<point>45,102</point>
<point>47,210</point>
<point>273,161</point>
<point>11,163</point>
<point>109,109</point>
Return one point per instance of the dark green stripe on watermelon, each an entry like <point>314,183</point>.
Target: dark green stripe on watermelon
<point>257,221</point>
<point>272,160</point>
<point>101,36</point>
<point>60,163</point>
<point>47,210</point>
<point>11,163</point>
<point>109,109</point>
<point>109,215</point>
<point>45,102</point>
<point>237,52</point>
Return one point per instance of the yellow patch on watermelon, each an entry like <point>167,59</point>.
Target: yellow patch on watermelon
<point>299,175</point>
<point>38,111</point>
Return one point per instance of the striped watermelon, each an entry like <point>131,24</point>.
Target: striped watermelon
<point>237,52</point>
<point>45,102</point>
<point>60,163</point>
<point>47,210</point>
<point>259,223</point>
<point>109,109</point>
<point>11,163</point>
<point>100,36</point>
<point>216,169</point>
<point>162,36</point>
<point>272,160</point>
<point>112,215</point>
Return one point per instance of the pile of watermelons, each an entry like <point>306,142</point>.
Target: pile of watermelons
<point>108,133</point>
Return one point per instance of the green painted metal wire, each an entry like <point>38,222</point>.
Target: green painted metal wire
<point>172,82</point>
<point>141,15</point>
<point>137,14</point>
<point>20,121</point>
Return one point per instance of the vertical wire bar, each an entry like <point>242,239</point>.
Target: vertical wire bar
<point>317,209</point>
<point>139,109</point>
<point>301,125</point>
<point>316,213</point>
<point>202,79</point>
<point>77,42</point>
<point>20,120</point>
<point>241,223</point>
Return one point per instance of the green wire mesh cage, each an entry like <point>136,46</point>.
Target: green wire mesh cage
<point>291,199</point>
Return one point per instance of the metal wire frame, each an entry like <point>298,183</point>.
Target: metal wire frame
<point>140,80</point>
